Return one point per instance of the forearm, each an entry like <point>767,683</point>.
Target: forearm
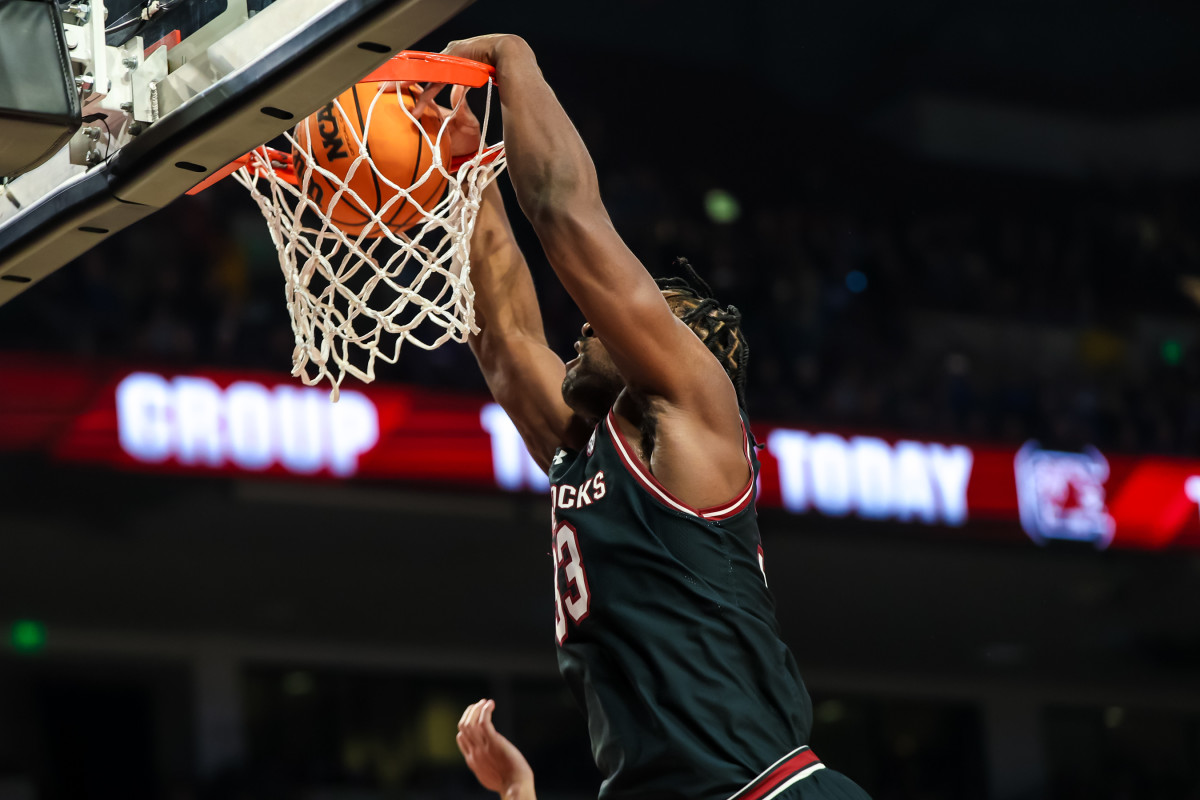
<point>549,164</point>
<point>523,374</point>
<point>506,303</point>
<point>556,185</point>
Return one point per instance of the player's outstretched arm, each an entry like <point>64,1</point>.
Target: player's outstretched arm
<point>557,187</point>
<point>523,373</point>
<point>496,762</point>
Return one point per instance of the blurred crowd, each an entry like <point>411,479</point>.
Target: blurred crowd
<point>1069,326</point>
<point>918,299</point>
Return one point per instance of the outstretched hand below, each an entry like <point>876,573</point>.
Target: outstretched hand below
<point>496,762</point>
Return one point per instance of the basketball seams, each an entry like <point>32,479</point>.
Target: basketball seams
<point>353,212</point>
<point>346,204</point>
<point>420,141</point>
<point>366,146</point>
<point>403,205</point>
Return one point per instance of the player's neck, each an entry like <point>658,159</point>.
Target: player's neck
<point>632,406</point>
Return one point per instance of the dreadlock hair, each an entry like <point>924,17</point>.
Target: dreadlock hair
<point>719,328</point>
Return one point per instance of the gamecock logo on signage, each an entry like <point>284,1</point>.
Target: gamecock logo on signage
<point>1061,495</point>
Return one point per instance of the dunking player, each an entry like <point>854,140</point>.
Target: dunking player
<point>665,627</point>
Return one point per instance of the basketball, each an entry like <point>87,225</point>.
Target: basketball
<point>400,152</point>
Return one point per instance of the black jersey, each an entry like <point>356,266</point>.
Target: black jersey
<point>666,629</point>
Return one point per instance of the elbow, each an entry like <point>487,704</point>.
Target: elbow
<point>552,188</point>
<point>562,205</point>
<point>551,198</point>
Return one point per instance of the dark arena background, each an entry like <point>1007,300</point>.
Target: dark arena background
<point>966,241</point>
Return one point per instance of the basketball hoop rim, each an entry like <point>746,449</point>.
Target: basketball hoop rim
<point>422,67</point>
<point>416,66</point>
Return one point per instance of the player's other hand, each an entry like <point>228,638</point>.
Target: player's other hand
<point>496,762</point>
<point>463,129</point>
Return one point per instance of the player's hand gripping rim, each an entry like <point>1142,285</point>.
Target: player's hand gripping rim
<point>479,48</point>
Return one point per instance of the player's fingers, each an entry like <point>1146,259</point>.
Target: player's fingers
<point>465,719</point>
<point>479,48</point>
<point>462,110</point>
<point>427,97</point>
<point>464,745</point>
<point>456,96</point>
<point>475,730</point>
<point>473,719</point>
<point>486,718</point>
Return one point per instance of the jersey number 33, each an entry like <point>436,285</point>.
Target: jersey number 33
<point>573,596</point>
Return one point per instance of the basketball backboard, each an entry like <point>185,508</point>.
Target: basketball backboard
<point>198,84</point>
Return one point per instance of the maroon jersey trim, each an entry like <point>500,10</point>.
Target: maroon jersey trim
<point>795,766</point>
<point>651,484</point>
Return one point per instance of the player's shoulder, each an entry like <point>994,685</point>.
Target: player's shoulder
<point>561,461</point>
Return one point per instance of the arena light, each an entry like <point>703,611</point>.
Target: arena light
<point>28,636</point>
<point>721,206</point>
<point>1172,352</point>
<point>856,281</point>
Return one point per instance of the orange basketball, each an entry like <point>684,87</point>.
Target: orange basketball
<point>401,154</point>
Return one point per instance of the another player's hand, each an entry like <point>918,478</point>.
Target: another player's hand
<point>496,762</point>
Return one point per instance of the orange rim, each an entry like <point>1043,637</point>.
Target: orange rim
<point>421,67</point>
<point>282,161</point>
<point>407,65</point>
<point>489,155</point>
<point>285,166</point>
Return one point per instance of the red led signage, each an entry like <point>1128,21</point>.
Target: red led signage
<point>226,422</point>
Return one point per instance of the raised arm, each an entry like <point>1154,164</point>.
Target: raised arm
<point>523,373</point>
<point>556,185</point>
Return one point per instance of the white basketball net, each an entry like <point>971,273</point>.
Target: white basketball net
<point>355,298</point>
